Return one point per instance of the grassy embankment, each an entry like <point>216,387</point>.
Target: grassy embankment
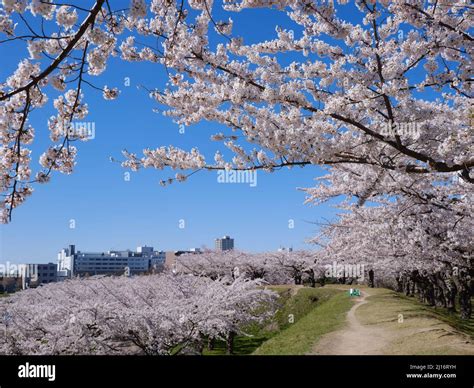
<point>313,311</point>
<point>417,328</point>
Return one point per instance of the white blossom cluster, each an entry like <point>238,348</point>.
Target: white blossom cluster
<point>110,94</point>
<point>59,158</point>
<point>6,24</point>
<point>14,5</point>
<point>65,17</point>
<point>43,8</point>
<point>138,9</point>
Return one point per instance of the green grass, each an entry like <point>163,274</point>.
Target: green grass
<point>386,305</point>
<point>242,345</point>
<point>298,338</point>
<point>299,305</point>
<point>298,302</point>
<point>421,330</point>
<point>451,318</point>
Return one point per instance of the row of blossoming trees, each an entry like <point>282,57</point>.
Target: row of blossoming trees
<point>155,314</point>
<point>414,246</point>
<point>213,295</point>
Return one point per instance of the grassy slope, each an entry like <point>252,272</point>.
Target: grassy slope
<point>298,338</point>
<point>422,329</point>
<point>293,300</point>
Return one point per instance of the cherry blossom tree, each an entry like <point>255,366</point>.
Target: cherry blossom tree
<point>211,264</point>
<point>298,266</point>
<point>331,92</point>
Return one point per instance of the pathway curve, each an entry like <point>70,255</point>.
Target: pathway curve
<point>355,338</point>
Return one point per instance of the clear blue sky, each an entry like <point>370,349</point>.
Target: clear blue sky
<point>111,213</point>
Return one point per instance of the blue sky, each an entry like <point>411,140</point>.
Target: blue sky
<point>112,213</point>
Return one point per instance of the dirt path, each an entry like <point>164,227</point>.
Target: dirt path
<point>355,338</point>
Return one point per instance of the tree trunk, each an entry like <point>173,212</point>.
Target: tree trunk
<point>440,300</point>
<point>441,291</point>
<point>429,293</point>
<point>450,295</point>
<point>211,343</point>
<point>407,285</point>
<point>412,284</point>
<point>464,292</point>
<point>298,279</point>
<point>322,280</point>
<point>371,279</point>
<point>230,343</point>
<point>465,303</point>
<point>399,281</point>
<point>200,345</point>
<point>312,279</point>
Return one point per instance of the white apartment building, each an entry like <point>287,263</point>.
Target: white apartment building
<point>224,244</point>
<point>73,263</point>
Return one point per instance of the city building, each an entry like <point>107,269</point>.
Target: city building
<point>66,262</point>
<point>157,260</point>
<point>224,244</point>
<point>32,275</point>
<point>145,250</point>
<point>73,263</point>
